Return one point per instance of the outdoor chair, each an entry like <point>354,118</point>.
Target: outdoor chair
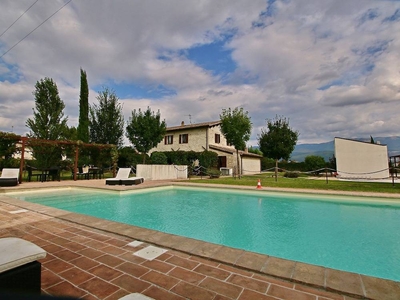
<point>9,177</point>
<point>83,173</point>
<point>32,174</point>
<point>20,270</point>
<point>123,178</point>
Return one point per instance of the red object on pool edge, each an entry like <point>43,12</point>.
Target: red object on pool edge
<point>259,184</point>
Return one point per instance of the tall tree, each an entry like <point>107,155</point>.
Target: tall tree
<point>278,140</point>
<point>236,127</point>
<point>83,126</point>
<point>48,119</point>
<point>48,122</point>
<point>145,130</point>
<point>106,120</point>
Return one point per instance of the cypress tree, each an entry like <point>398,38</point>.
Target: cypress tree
<point>83,126</point>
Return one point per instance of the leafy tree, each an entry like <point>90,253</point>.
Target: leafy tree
<point>8,144</point>
<point>278,140</point>
<point>314,162</point>
<point>48,120</point>
<point>159,158</point>
<point>83,126</point>
<point>48,123</point>
<point>145,130</point>
<point>106,120</point>
<point>236,127</point>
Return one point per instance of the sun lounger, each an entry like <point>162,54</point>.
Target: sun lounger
<point>123,178</point>
<point>20,270</point>
<point>9,177</point>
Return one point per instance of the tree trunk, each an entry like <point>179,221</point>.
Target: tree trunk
<point>238,165</point>
<point>276,170</point>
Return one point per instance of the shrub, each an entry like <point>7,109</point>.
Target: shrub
<point>314,162</point>
<point>159,158</point>
<point>291,174</point>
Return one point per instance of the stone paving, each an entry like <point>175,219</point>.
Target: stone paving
<point>91,258</point>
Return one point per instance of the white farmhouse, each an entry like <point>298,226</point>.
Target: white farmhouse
<point>208,136</point>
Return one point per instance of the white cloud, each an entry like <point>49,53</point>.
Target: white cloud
<point>331,67</point>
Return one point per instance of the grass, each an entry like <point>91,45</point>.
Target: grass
<point>267,180</point>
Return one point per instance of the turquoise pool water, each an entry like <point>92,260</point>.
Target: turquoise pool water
<point>336,232</point>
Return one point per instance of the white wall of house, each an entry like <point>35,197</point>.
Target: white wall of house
<point>161,172</point>
<point>356,159</point>
<point>199,139</point>
<point>250,165</point>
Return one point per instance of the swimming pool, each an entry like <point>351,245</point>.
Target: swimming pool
<point>353,234</point>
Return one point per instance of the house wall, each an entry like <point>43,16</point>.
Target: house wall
<point>361,160</point>
<point>250,165</point>
<point>161,172</point>
<point>198,139</point>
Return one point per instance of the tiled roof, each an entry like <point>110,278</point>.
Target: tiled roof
<point>197,125</point>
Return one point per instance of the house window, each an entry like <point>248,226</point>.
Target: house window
<point>168,139</point>
<point>217,138</point>
<point>183,138</point>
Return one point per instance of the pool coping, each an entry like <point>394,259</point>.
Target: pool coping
<point>346,283</point>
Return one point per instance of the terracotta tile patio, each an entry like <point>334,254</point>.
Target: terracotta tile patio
<point>90,258</point>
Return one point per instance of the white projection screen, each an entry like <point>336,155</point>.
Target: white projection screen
<point>355,159</point>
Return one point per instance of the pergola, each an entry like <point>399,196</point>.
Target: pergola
<point>25,141</point>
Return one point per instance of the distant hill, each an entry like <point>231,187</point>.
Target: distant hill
<point>326,150</point>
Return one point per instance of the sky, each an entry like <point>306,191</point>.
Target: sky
<point>330,67</point>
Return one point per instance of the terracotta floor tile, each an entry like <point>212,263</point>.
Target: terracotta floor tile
<point>160,279</point>
<point>65,289</point>
<point>204,261</point>
<point>285,293</point>
<point>131,284</point>
<point>212,271</point>
<point>235,270</point>
<point>133,269</point>
<point>182,262</point>
<point>76,276</point>
<point>118,242</point>
<point>223,288</point>
<point>133,258</point>
<point>66,255</point>
<point>156,292</point>
<point>105,272</point>
<point>249,283</point>
<point>252,295</point>
<point>115,296</point>
<point>74,246</point>
<point>49,278</point>
<point>186,275</point>
<point>192,292</point>
<point>91,253</point>
<point>95,244</point>
<point>274,280</point>
<point>319,292</point>
<point>57,266</point>
<point>109,260</point>
<point>99,288</point>
<point>158,265</point>
<point>113,250</point>
<point>84,263</point>
<point>52,248</point>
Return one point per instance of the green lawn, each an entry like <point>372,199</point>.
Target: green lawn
<point>303,183</point>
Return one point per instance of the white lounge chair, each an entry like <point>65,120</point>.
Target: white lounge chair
<point>9,177</point>
<point>123,178</point>
<point>20,269</point>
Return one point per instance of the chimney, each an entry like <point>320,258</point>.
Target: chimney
<point>182,123</point>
